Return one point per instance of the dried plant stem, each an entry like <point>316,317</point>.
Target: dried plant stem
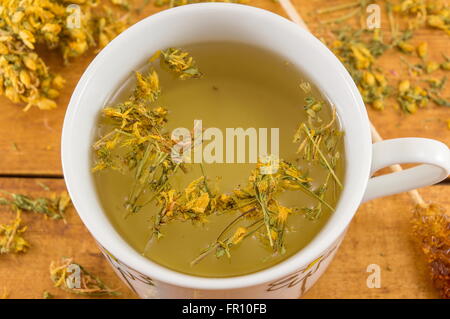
<point>295,16</point>
<point>339,7</point>
<point>343,18</point>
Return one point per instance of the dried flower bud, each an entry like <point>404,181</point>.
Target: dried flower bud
<point>432,66</point>
<point>406,47</point>
<point>46,104</point>
<point>422,50</point>
<point>27,38</point>
<point>403,86</point>
<point>58,82</point>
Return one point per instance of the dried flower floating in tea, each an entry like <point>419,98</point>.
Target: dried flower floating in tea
<point>24,25</point>
<point>136,126</point>
<point>430,221</point>
<point>179,62</point>
<point>11,239</point>
<point>260,210</point>
<point>133,141</point>
<point>86,284</point>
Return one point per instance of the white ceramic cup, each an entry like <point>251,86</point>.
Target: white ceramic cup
<point>230,22</point>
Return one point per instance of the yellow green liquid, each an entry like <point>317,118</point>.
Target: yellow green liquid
<point>243,86</point>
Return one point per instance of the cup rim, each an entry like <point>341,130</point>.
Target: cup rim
<point>115,245</point>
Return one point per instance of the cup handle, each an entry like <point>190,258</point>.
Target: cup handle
<point>434,155</point>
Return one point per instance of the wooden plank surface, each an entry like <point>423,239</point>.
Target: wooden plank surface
<point>27,275</point>
<point>379,234</point>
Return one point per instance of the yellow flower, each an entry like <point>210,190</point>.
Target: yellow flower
<point>411,107</point>
<point>445,66</point>
<point>432,66</point>
<point>30,62</point>
<point>381,79</point>
<point>378,105</point>
<point>27,38</point>
<point>403,86</point>
<point>422,49</point>
<point>147,87</point>
<point>51,28</point>
<point>3,48</point>
<point>369,78</point>
<point>283,213</point>
<point>238,235</point>
<point>362,56</point>
<point>406,47</point>
<point>45,104</point>
<point>198,205</point>
<point>24,77</point>
<point>273,234</point>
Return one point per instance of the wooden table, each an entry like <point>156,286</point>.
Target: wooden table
<point>379,233</point>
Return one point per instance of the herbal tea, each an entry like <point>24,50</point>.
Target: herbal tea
<point>218,159</point>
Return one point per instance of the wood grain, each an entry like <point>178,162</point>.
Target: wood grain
<point>27,275</point>
<point>379,233</point>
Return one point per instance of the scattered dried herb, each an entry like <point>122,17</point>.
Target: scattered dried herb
<point>11,239</point>
<point>64,276</point>
<point>260,213</point>
<point>53,207</point>
<point>72,29</point>
<point>424,12</point>
<point>360,49</point>
<point>411,98</point>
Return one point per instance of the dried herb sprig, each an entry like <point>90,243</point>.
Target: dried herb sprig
<point>260,211</point>
<point>85,284</point>
<point>179,62</point>
<point>135,142</point>
<point>222,247</point>
<point>54,206</point>
<point>358,50</point>
<point>422,12</point>
<point>430,221</point>
<point>73,30</point>
<point>11,238</point>
<point>257,203</point>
